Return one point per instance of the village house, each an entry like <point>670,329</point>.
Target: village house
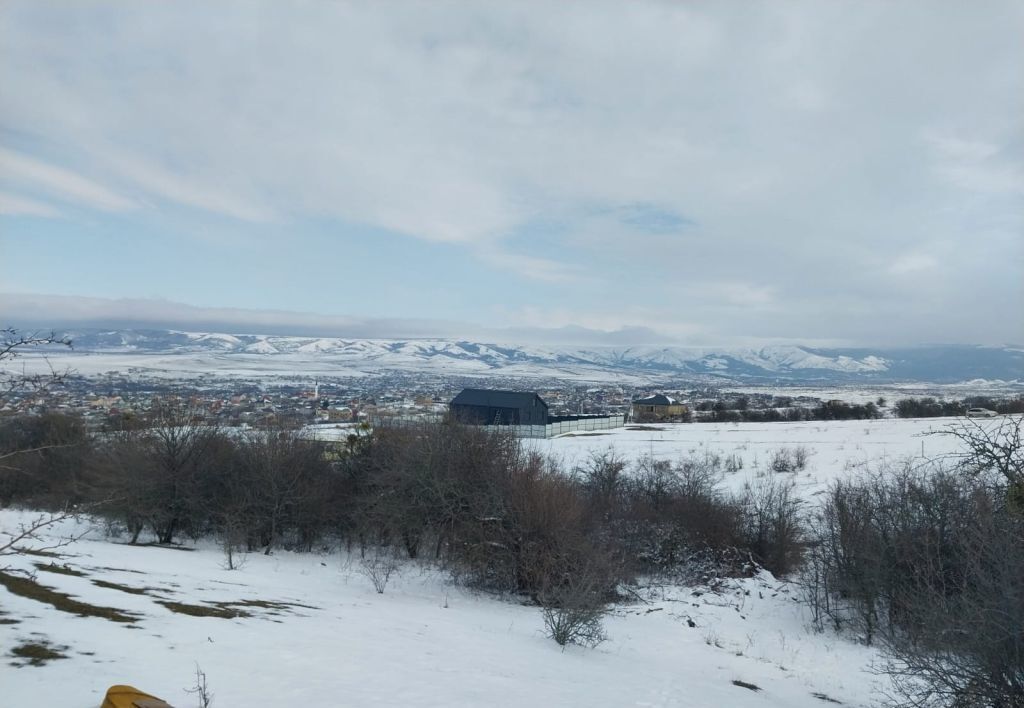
<point>658,408</point>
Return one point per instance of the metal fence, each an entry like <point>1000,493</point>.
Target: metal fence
<point>551,430</point>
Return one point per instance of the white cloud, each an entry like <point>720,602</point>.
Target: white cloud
<point>543,269</point>
<point>13,205</point>
<point>976,165</point>
<point>61,183</point>
<point>49,311</point>
<point>913,263</point>
<point>180,189</point>
<point>807,142</point>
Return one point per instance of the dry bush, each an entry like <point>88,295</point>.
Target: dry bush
<point>573,614</point>
<point>378,567</point>
<point>773,528</point>
<point>929,561</point>
<point>674,513</point>
<point>788,460</point>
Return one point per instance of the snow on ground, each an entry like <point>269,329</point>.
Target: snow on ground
<point>334,641</point>
<point>328,638</point>
<point>836,448</point>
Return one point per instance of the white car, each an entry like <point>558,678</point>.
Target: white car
<point>980,413</point>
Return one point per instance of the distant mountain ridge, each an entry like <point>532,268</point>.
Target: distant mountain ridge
<point>783,363</point>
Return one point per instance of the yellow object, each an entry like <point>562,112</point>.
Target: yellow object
<point>131,697</point>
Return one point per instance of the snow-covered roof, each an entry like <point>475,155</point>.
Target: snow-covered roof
<point>658,399</point>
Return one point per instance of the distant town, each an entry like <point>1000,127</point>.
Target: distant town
<point>117,400</point>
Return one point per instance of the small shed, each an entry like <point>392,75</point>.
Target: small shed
<point>481,406</point>
<point>658,407</point>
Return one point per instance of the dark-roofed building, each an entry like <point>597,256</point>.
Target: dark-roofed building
<point>480,406</point>
<point>658,407</point>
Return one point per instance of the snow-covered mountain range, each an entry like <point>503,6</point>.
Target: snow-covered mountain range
<point>938,364</point>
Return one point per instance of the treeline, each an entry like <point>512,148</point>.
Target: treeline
<point>934,408</point>
<point>724,412</point>
<point>929,562</point>
<point>475,501</point>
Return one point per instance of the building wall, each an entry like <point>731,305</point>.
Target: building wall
<point>642,413</point>
<point>486,415</point>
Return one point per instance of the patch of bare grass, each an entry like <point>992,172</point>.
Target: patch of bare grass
<point>222,610</point>
<point>269,605</point>
<point>59,569</point>
<point>37,653</point>
<point>749,686</point>
<point>231,610</point>
<point>123,588</point>
<point>27,587</point>
<point>39,554</point>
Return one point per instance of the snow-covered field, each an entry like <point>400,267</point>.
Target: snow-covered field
<point>315,631</point>
<point>329,639</point>
<point>835,448</point>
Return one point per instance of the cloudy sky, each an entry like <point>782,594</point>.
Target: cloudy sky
<point>698,172</point>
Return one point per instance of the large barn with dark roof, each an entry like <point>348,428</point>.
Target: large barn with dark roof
<point>478,406</point>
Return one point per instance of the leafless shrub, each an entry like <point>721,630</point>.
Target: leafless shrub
<point>575,625</point>
<point>773,524</point>
<point>233,543</point>
<point>733,463</point>
<point>604,479</point>
<point>200,689</point>
<point>800,457</point>
<point>699,476</point>
<point>573,610</point>
<point>378,567</point>
<point>993,447</point>
<point>962,638</point>
<point>788,460</point>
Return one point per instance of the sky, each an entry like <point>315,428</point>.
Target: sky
<point>704,173</point>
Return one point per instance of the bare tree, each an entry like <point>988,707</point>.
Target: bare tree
<point>965,643</point>
<point>993,446</point>
<point>27,536</point>
<point>12,344</point>
<point>281,472</point>
<point>179,447</point>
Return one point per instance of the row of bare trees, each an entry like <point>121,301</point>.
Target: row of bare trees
<point>928,560</point>
<point>470,498</point>
<point>475,502</point>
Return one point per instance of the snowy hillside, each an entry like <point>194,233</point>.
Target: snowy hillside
<point>309,629</point>
<point>171,350</point>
